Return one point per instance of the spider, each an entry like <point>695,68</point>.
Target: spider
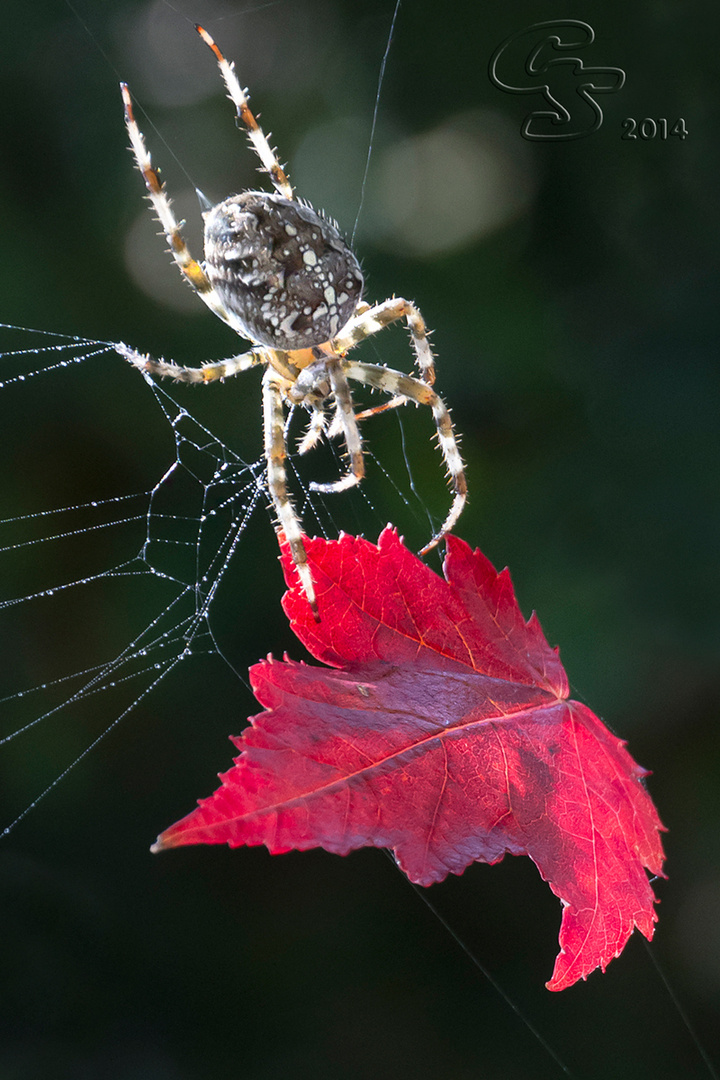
<point>280,274</point>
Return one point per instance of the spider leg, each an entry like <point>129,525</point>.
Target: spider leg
<point>394,403</point>
<point>345,416</point>
<point>168,369</point>
<point>189,267</point>
<point>239,98</point>
<point>369,321</point>
<point>407,386</point>
<point>275,454</point>
<point>315,429</point>
<point>336,427</point>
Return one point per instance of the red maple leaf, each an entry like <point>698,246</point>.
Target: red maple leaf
<point>445,734</point>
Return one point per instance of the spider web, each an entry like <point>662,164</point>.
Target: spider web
<point>154,559</point>
<point>130,552</point>
<point>180,535</point>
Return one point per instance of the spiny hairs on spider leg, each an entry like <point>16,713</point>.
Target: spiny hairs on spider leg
<point>280,274</point>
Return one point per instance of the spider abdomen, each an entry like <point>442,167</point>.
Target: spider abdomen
<point>283,271</point>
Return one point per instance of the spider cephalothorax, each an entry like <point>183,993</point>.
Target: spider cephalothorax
<point>281,275</point>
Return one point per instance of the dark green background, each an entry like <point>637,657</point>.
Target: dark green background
<point>577,346</point>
